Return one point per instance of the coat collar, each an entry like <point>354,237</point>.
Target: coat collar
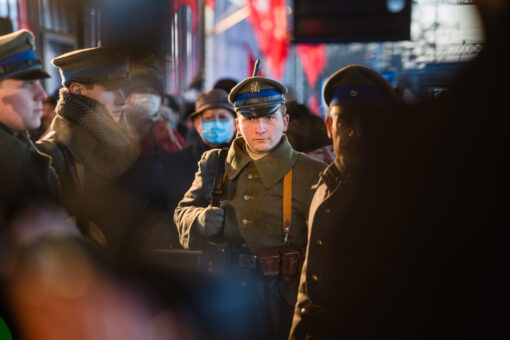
<point>79,143</point>
<point>271,168</point>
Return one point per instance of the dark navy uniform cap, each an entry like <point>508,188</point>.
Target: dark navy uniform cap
<point>357,83</point>
<point>96,64</point>
<point>257,97</point>
<point>17,57</point>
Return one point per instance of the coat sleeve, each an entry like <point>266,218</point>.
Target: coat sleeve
<point>196,199</point>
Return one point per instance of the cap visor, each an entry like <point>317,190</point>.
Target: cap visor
<point>258,111</point>
<point>31,74</point>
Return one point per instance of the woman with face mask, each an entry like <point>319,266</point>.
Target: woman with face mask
<point>214,121</point>
<point>142,110</point>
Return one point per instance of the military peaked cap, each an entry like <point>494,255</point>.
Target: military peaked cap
<point>96,64</point>
<point>357,83</point>
<point>257,97</point>
<point>17,57</point>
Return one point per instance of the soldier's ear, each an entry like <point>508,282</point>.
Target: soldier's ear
<point>76,88</point>
<point>237,127</point>
<point>328,126</point>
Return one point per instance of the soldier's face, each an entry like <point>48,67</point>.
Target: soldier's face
<point>21,104</point>
<point>262,134</point>
<point>343,127</point>
<point>111,97</point>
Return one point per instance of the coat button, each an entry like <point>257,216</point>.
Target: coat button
<point>320,243</point>
<point>315,278</point>
<point>250,176</point>
<point>327,210</point>
<point>245,221</point>
<point>247,197</point>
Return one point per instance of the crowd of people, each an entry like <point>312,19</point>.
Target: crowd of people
<point>125,215</point>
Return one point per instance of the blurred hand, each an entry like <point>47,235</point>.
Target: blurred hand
<point>210,221</point>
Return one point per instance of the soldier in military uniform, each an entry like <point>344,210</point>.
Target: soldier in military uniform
<point>89,145</point>
<point>21,107</point>
<point>251,213</point>
<point>328,307</point>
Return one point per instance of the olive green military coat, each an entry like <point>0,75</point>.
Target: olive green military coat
<point>252,196</point>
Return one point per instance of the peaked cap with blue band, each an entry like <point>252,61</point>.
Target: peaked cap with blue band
<point>357,83</point>
<point>17,57</point>
<point>89,65</point>
<point>257,97</point>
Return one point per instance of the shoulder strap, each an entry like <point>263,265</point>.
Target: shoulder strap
<point>219,179</point>
<point>287,206</point>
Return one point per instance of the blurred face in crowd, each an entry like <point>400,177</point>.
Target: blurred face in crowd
<point>111,97</point>
<point>343,127</point>
<point>21,104</point>
<point>262,134</point>
<point>145,101</point>
<point>325,154</point>
<point>215,126</point>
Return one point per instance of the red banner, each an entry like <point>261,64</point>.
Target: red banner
<point>210,3</point>
<point>192,4</point>
<point>269,21</point>
<point>314,60</point>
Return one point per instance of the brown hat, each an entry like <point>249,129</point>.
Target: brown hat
<point>17,57</point>
<point>216,98</point>
<point>358,83</point>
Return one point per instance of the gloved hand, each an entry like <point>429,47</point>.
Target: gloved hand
<point>210,221</point>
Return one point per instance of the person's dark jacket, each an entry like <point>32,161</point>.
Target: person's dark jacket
<point>179,171</point>
<point>25,173</point>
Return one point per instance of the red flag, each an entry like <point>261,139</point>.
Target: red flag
<point>210,3</point>
<point>314,59</point>
<point>192,4</point>
<point>313,104</point>
<point>269,21</point>
<point>22,17</point>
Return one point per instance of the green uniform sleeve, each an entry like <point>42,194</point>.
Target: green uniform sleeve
<point>196,199</point>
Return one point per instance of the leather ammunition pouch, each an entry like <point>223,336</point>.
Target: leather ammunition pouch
<point>285,261</point>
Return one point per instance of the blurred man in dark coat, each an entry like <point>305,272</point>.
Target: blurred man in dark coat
<point>354,94</point>
<point>21,107</point>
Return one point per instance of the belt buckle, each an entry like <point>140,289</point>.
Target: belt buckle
<point>247,261</point>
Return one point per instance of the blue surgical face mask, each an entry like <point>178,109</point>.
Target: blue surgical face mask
<point>217,131</point>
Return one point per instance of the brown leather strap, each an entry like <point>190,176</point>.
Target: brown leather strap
<point>287,206</point>
<point>219,179</point>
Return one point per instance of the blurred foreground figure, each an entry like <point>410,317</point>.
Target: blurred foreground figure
<point>248,204</point>
<point>90,145</point>
<point>354,95</point>
<point>21,107</point>
<point>421,252</point>
<point>54,286</point>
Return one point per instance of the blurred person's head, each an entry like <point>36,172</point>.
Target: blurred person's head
<point>261,113</point>
<point>307,133</point>
<point>146,90</point>
<point>99,73</point>
<point>49,105</point>
<point>226,84</point>
<point>353,94</point>
<point>214,117</point>
<point>21,93</point>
